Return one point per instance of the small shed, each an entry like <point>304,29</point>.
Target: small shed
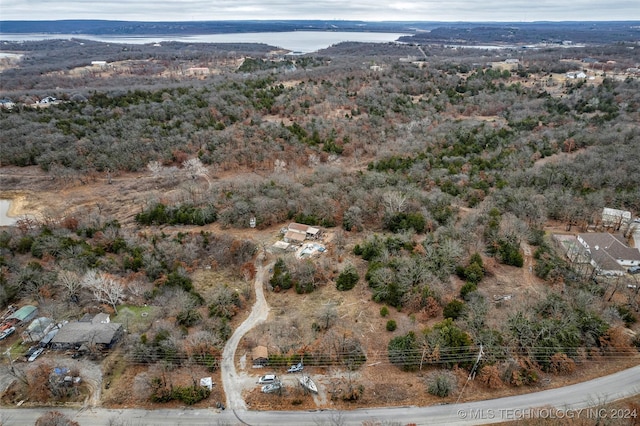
<point>38,328</point>
<point>281,245</point>
<point>260,356</point>
<point>294,237</point>
<point>101,318</point>
<point>206,382</point>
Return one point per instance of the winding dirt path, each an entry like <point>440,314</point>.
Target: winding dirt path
<point>230,379</point>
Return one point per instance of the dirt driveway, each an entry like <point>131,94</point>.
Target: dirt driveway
<point>234,383</point>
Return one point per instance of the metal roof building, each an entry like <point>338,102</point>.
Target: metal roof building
<point>24,314</point>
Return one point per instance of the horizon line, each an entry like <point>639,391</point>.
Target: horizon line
<point>318,20</point>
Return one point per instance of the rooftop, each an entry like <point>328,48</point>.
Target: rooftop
<point>86,332</point>
<point>24,312</point>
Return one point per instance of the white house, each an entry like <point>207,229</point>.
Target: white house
<point>7,103</point>
<point>576,74</point>
<point>614,218</point>
<point>609,253</point>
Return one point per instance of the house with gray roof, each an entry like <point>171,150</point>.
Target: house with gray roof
<point>609,253</point>
<point>99,333</point>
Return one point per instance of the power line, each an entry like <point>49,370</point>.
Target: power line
<point>437,356</point>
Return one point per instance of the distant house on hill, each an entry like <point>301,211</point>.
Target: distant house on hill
<point>609,253</point>
<point>7,104</point>
<point>48,100</point>
<point>198,71</point>
<point>576,74</point>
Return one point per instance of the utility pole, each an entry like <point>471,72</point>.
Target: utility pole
<point>8,354</point>
<point>475,366</point>
<point>472,373</point>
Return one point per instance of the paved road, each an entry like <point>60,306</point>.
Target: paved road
<point>230,380</point>
<point>566,402</point>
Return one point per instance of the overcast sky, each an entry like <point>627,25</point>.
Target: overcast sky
<point>366,10</point>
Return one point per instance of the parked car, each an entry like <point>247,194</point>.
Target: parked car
<point>35,354</point>
<point>267,378</point>
<point>634,270</point>
<point>295,368</point>
<point>272,387</point>
<point>6,333</point>
<point>31,350</point>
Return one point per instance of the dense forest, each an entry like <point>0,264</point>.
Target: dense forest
<point>427,162</point>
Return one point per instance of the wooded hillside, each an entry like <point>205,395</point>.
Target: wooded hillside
<point>433,167</point>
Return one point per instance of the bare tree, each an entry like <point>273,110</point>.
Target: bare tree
<point>105,288</point>
<point>328,315</point>
<point>394,201</point>
<point>155,168</point>
<point>71,282</point>
<point>279,166</point>
<point>195,168</point>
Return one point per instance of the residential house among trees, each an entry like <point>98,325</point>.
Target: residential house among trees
<point>614,218</point>
<point>96,332</point>
<point>296,233</point>
<point>609,253</point>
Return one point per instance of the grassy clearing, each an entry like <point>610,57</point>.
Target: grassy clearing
<point>206,281</point>
<point>135,318</point>
<point>18,349</point>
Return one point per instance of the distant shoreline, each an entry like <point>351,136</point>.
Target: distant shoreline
<point>302,41</point>
<point>434,32</point>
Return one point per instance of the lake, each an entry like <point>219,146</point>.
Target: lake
<point>295,41</point>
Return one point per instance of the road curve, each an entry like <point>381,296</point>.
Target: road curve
<point>566,402</point>
<point>259,313</point>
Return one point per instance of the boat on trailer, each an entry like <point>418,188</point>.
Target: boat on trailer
<point>308,384</point>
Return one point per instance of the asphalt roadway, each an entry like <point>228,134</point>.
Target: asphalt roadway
<point>586,401</point>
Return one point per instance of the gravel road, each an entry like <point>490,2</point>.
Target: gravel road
<point>233,382</point>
